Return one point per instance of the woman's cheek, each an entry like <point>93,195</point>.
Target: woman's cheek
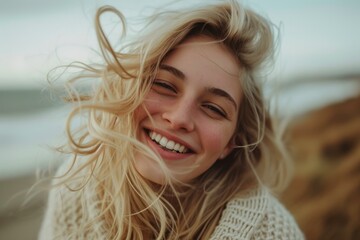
<point>215,138</point>
<point>149,106</point>
<point>154,101</point>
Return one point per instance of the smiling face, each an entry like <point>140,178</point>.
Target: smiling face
<point>193,103</point>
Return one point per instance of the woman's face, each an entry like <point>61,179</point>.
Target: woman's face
<point>193,104</point>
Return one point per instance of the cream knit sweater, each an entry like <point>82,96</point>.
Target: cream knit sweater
<point>258,215</point>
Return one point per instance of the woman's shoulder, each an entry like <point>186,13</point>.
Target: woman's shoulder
<point>72,185</point>
<point>69,204</point>
<point>256,214</point>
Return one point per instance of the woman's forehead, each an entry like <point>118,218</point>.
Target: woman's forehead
<point>211,50</point>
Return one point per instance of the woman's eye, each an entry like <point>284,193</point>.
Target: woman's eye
<point>164,85</point>
<point>217,110</point>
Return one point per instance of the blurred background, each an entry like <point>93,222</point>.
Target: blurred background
<point>314,86</point>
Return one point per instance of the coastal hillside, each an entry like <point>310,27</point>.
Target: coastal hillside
<point>325,193</point>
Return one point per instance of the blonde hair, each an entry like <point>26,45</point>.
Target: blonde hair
<point>104,147</point>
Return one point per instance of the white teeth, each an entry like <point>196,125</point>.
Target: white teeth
<point>164,142</point>
<point>170,145</point>
<point>177,147</point>
<point>157,137</point>
<point>151,134</point>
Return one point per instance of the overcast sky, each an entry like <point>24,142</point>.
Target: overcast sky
<point>317,37</point>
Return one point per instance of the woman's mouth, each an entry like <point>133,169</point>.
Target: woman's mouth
<point>167,144</point>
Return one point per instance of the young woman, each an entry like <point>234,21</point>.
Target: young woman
<point>178,143</point>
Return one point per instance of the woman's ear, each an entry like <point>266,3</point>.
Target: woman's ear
<point>229,147</point>
<point>227,150</point>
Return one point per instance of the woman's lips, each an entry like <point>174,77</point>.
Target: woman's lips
<point>167,143</point>
<point>166,153</point>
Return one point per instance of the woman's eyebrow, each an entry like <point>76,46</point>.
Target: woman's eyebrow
<point>176,72</point>
<point>222,93</point>
<point>212,90</point>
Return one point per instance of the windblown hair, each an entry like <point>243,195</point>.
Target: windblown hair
<point>105,145</point>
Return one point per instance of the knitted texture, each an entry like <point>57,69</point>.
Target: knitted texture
<point>68,211</point>
<point>256,215</point>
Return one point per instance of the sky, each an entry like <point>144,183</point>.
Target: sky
<point>317,38</point>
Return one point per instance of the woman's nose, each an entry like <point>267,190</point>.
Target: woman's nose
<point>179,116</point>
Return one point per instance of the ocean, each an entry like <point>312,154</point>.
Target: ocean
<point>15,102</point>
<point>32,123</point>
